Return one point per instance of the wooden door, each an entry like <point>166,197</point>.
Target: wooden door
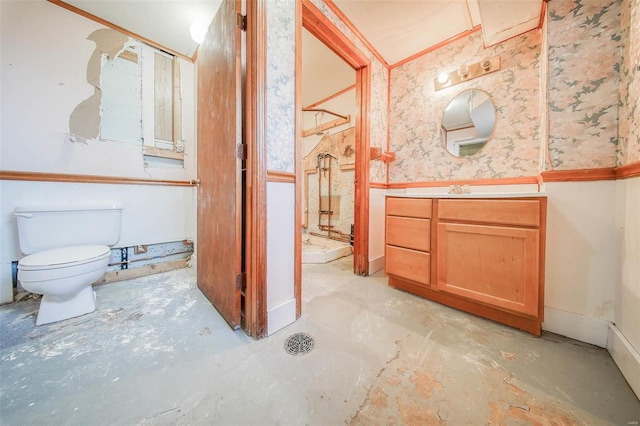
<point>493,265</point>
<point>220,192</point>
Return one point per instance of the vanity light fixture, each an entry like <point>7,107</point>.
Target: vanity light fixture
<point>463,71</point>
<point>466,72</point>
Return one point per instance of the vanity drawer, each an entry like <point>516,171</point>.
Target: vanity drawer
<point>507,212</point>
<point>409,207</point>
<point>409,264</point>
<point>409,232</point>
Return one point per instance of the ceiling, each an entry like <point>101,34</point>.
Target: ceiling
<point>165,22</point>
<point>397,29</point>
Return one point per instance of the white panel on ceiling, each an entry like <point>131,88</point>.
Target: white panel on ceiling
<point>474,10</point>
<point>164,22</point>
<point>503,19</point>
<point>399,29</point>
<point>323,72</point>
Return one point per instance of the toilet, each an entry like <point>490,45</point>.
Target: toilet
<point>68,249</point>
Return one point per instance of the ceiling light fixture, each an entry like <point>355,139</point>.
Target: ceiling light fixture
<point>198,30</point>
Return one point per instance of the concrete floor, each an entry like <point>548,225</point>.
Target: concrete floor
<point>156,352</point>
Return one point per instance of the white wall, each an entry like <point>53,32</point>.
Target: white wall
<point>376,229</point>
<point>627,316</point>
<point>45,52</point>
<point>281,302</point>
<point>581,262</point>
<point>624,338</point>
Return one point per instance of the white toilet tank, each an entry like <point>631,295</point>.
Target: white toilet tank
<point>49,227</point>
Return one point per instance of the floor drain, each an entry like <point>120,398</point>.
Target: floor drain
<point>299,344</point>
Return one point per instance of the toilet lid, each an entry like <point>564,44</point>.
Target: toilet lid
<point>63,257</point>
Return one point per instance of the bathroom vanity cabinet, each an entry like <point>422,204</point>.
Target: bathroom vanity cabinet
<point>480,255</point>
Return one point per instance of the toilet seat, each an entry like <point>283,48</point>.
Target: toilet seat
<point>66,257</point>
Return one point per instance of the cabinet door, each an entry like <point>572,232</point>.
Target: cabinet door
<point>494,265</point>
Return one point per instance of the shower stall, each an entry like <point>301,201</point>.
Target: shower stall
<point>328,207</point>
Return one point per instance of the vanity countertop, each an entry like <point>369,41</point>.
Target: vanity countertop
<point>472,195</point>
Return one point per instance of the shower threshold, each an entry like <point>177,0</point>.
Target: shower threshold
<point>322,250</point>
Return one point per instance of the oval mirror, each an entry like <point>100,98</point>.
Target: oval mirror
<point>468,122</point>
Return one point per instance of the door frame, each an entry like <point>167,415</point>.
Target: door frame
<point>308,16</point>
<point>255,297</point>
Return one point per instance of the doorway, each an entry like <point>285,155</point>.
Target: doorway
<point>320,27</point>
<point>328,153</point>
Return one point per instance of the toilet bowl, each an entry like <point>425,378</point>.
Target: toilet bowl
<point>64,277</point>
<point>67,251</point>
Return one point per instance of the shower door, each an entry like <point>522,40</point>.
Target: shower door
<point>220,193</point>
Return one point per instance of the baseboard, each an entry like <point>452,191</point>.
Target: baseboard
<point>626,357</point>
<point>281,316</point>
<point>575,326</point>
<point>376,264</point>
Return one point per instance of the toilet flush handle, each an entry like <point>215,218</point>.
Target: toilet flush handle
<point>27,215</point>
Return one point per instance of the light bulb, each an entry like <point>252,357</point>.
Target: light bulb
<point>198,30</point>
<point>443,77</point>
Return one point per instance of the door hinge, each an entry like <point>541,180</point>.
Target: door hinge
<point>241,151</point>
<point>241,21</point>
<point>241,281</point>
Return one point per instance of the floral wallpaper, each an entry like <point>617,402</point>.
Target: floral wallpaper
<point>280,104</point>
<point>629,127</point>
<point>281,88</point>
<point>379,84</point>
<point>584,61</point>
<point>416,112</point>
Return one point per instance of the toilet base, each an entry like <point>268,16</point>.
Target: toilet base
<point>54,309</point>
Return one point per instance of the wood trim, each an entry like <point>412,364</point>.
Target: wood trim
<point>328,98</point>
<point>152,151</point>
<point>298,221</point>
<point>277,176</point>
<point>605,173</point>
<point>324,30</point>
<point>472,182</point>
<point>131,273</point>
<point>627,171</point>
<point>129,56</point>
<point>386,164</point>
<point>71,178</point>
<point>543,13</point>
<point>256,171</point>
<point>362,173</point>
<point>347,22</point>
<point>118,28</point>
<point>326,126</point>
<point>542,235</point>
<point>436,46</point>
<point>378,185</point>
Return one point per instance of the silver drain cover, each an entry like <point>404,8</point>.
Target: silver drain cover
<point>299,344</point>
